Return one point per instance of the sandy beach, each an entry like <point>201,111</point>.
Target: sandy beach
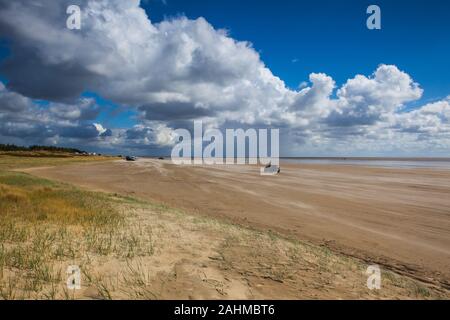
<point>398,218</point>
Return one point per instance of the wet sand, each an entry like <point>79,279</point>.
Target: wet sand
<point>399,218</point>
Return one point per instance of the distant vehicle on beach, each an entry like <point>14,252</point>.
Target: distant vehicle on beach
<point>130,158</point>
<point>270,169</point>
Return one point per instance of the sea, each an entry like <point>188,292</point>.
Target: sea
<point>432,163</point>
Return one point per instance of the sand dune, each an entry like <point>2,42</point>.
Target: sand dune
<point>399,218</point>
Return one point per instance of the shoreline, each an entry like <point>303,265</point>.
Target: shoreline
<point>443,159</point>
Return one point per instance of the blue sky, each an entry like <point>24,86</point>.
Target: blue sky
<point>132,74</point>
<point>331,36</point>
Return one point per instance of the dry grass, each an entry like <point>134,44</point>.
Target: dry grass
<point>60,206</point>
<point>42,223</point>
<point>19,159</point>
<point>45,227</point>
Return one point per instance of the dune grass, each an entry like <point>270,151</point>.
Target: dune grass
<point>28,199</point>
<point>42,222</point>
<point>46,226</point>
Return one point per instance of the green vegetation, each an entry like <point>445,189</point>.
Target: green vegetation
<point>12,147</point>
